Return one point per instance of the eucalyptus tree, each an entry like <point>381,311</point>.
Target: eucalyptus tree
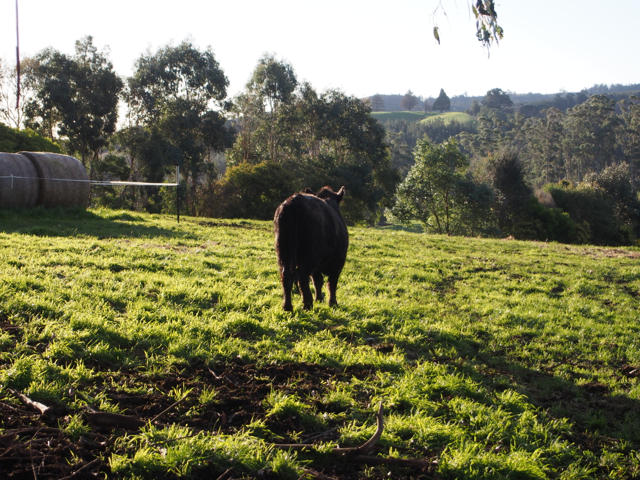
<point>273,84</point>
<point>77,97</point>
<point>629,133</point>
<point>488,31</point>
<point>12,112</point>
<point>591,135</point>
<point>248,116</point>
<point>496,98</point>
<point>326,138</point>
<point>179,93</point>
<point>542,146</point>
<point>377,103</point>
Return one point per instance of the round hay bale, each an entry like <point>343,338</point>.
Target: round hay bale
<point>63,180</point>
<point>23,189</point>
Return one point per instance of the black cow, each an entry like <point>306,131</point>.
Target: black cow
<point>311,241</point>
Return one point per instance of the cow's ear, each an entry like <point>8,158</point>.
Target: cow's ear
<point>309,191</point>
<point>340,193</point>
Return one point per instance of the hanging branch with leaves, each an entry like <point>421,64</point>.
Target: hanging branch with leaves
<point>487,29</point>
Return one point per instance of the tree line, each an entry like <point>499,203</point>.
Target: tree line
<point>544,174</point>
<point>567,176</point>
<point>239,157</point>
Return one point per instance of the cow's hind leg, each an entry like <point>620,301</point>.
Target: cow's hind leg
<point>318,281</point>
<point>303,284</point>
<point>286,277</point>
<point>332,284</point>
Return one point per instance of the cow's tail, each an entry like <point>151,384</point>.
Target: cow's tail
<point>287,228</point>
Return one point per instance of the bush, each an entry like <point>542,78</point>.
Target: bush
<point>591,208</point>
<point>369,187</point>
<point>251,191</point>
<point>547,224</point>
<point>616,181</point>
<point>13,141</point>
<point>513,199</point>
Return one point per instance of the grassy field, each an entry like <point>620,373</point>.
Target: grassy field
<point>423,117</point>
<point>492,358</point>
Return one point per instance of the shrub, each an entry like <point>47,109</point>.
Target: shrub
<point>541,223</point>
<point>251,191</point>
<point>591,208</point>
<point>513,199</point>
<point>13,140</point>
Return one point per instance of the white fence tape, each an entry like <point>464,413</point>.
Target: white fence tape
<point>94,182</point>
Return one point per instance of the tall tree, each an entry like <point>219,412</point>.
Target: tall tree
<point>273,83</point>
<point>542,147</point>
<point>497,99</point>
<point>248,115</point>
<point>629,133</point>
<point>442,103</point>
<point>323,139</point>
<point>590,135</point>
<point>78,95</point>
<point>377,103</point>
<point>409,101</point>
<point>181,90</point>
<point>9,113</point>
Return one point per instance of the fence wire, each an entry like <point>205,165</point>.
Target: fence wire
<point>94,182</point>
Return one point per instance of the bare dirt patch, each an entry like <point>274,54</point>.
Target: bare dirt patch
<point>36,446</point>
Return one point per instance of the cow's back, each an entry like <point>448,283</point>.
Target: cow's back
<point>309,233</point>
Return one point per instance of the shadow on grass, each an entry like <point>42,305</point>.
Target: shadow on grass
<point>412,227</point>
<point>602,420</point>
<point>69,222</point>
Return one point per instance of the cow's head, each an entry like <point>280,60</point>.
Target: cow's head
<point>328,195</point>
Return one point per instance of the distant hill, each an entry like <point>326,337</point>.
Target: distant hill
<point>561,100</point>
<point>422,117</point>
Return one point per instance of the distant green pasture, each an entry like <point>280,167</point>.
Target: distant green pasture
<point>494,359</point>
<point>423,116</point>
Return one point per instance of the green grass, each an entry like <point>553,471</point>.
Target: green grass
<point>423,117</point>
<point>449,116</point>
<point>497,359</point>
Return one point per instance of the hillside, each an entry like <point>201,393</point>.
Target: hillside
<point>161,351</point>
<point>460,103</point>
<point>422,117</point>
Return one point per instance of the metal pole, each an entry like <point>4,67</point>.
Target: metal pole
<point>17,62</point>
<point>178,192</point>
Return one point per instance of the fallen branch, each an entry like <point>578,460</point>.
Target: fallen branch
<point>169,408</point>
<point>319,435</point>
<point>227,474</point>
<point>6,405</point>
<point>360,454</point>
<point>43,409</point>
<point>403,462</point>
<point>316,475</point>
<point>367,446</point>
<point>22,431</point>
<point>115,420</point>
<point>227,378</point>
<point>88,467</point>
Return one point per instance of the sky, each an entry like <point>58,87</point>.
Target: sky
<point>360,47</point>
